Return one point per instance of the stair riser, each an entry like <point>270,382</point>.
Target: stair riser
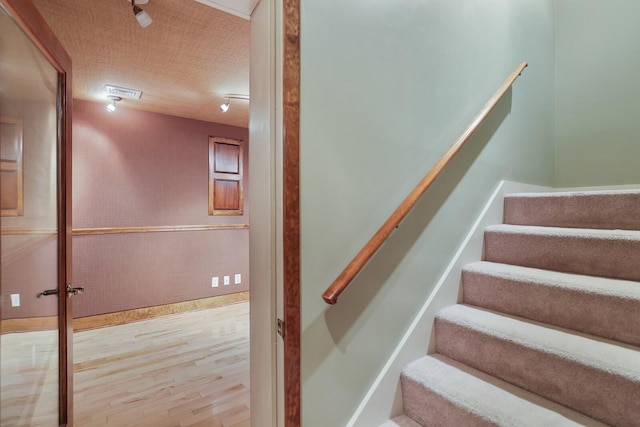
<point>598,394</point>
<point>601,315</point>
<point>432,410</point>
<point>603,211</point>
<point>614,258</point>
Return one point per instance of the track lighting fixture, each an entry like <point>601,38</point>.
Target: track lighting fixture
<point>225,107</point>
<point>111,106</point>
<point>142,17</point>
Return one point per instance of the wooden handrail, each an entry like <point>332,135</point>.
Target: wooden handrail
<point>351,271</point>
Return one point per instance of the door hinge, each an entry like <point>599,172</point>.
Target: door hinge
<point>281,329</point>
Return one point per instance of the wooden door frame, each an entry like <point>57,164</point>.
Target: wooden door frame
<point>33,24</point>
<point>291,210</point>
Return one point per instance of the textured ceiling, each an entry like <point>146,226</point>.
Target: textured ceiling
<point>25,73</point>
<point>184,62</point>
<point>242,8</point>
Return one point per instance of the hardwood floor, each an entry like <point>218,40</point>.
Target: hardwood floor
<point>29,379</point>
<point>187,369</point>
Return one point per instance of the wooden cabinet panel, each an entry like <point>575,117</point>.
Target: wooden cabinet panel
<point>226,194</point>
<point>225,176</point>
<point>11,202</point>
<point>227,158</point>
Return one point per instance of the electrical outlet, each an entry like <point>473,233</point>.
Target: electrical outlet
<point>214,282</point>
<point>237,279</point>
<point>15,300</point>
<point>226,280</point>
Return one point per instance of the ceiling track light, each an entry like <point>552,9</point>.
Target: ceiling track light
<point>142,17</point>
<point>225,107</point>
<point>111,106</point>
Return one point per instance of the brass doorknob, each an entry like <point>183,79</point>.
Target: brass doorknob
<point>73,291</point>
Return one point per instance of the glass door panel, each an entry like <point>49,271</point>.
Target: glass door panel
<point>29,240</point>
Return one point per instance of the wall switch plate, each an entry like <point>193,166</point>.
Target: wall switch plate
<point>214,282</point>
<point>226,280</point>
<point>15,300</point>
<point>237,279</point>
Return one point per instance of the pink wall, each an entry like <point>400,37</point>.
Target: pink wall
<point>134,169</point>
<point>29,266</point>
<point>29,261</point>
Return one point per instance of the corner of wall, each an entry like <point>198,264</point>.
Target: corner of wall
<point>555,94</point>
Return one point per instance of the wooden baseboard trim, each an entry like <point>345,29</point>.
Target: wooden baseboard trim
<point>122,317</point>
<point>49,323</point>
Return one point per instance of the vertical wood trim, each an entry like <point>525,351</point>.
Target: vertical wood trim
<point>65,239</point>
<point>34,25</point>
<point>291,210</point>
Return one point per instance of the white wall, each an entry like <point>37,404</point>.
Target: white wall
<point>386,87</point>
<point>262,216</point>
<point>598,94</point>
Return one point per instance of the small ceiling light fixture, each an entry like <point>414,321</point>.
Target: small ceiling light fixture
<point>225,107</point>
<point>111,106</point>
<point>142,17</point>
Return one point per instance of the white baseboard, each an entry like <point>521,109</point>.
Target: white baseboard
<point>383,399</point>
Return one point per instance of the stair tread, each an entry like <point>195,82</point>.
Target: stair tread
<point>627,289</point>
<point>599,355</point>
<point>598,306</point>
<point>489,398</point>
<point>588,233</point>
<point>596,252</point>
<point>604,209</point>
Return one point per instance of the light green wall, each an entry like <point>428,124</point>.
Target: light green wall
<point>598,92</point>
<point>386,87</point>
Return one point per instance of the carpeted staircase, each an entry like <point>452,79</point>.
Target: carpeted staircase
<point>548,333</point>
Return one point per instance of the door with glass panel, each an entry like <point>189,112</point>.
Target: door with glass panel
<point>35,321</point>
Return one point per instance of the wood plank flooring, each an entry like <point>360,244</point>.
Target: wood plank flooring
<point>187,369</point>
<point>29,379</point>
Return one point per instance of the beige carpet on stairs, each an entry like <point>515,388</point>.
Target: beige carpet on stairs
<point>548,330</point>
